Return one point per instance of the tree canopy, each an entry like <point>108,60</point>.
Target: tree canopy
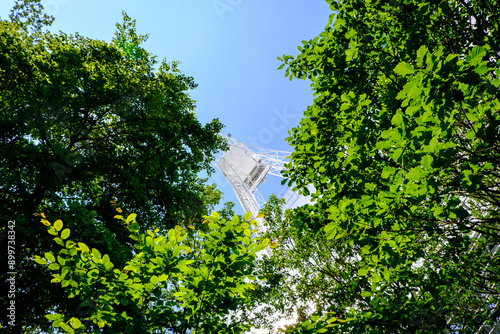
<point>87,124</point>
<point>402,147</point>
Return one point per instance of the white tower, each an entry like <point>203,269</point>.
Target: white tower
<point>245,167</point>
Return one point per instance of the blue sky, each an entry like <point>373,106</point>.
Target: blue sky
<point>230,47</point>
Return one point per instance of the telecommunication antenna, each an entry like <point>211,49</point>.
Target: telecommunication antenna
<point>245,167</point>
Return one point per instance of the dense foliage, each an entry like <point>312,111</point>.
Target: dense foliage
<point>187,281</point>
<point>402,147</point>
<point>85,123</point>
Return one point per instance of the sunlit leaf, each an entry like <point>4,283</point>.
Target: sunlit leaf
<point>58,225</point>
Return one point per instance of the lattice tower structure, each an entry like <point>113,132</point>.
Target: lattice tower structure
<point>245,167</point>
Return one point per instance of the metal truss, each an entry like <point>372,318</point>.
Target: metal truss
<point>267,162</point>
<point>274,158</point>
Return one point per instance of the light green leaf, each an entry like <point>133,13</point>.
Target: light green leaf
<point>67,328</point>
<point>476,55</point>
<point>387,171</point>
<point>397,119</point>
<point>65,233</point>
<point>50,257</point>
<point>366,294</point>
<point>105,258</point>
<point>421,52</point>
<point>363,271</point>
<point>61,261</point>
<point>53,317</point>
<point>75,323</point>
<point>131,217</point>
<point>58,225</point>
<point>235,220</point>
<point>404,68</point>
<point>397,154</point>
<point>427,161</point>
<point>59,241</point>
<point>83,247</point>
<point>376,277</point>
<point>96,253</point>
<point>415,174</point>
<point>54,266</point>
<point>93,273</point>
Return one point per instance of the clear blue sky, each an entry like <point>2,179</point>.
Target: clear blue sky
<point>230,47</point>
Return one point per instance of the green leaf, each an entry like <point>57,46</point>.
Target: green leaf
<point>415,174</point>
<point>50,257</point>
<point>58,225</point>
<point>421,52</point>
<point>59,241</point>
<point>51,230</point>
<point>476,55</point>
<point>53,317</point>
<point>404,68</point>
<point>61,261</point>
<point>396,154</point>
<point>67,328</point>
<point>397,119</point>
<point>83,247</point>
<point>65,233</point>
<point>108,265</point>
<point>247,215</point>
<point>376,277</point>
<point>39,260</point>
<point>134,226</point>
<point>54,266</point>
<point>481,69</point>
<point>131,217</point>
<point>363,271</point>
<point>366,294</point>
<point>387,171</point>
<point>427,161</point>
<point>96,253</point>
<point>75,323</point>
<point>214,226</point>
<point>93,273</point>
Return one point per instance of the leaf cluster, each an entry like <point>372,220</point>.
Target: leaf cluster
<point>173,284</point>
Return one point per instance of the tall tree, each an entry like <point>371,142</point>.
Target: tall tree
<point>402,147</point>
<point>87,124</point>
